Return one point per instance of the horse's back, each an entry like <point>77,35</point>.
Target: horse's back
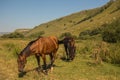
<point>49,40</point>
<point>45,45</point>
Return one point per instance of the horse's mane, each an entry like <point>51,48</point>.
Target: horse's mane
<point>29,44</point>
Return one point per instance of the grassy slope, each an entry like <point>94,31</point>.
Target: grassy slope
<point>82,68</point>
<point>80,21</point>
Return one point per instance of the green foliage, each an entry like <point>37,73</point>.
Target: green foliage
<point>95,31</point>
<point>88,33</point>
<point>13,35</point>
<point>84,35</point>
<point>114,55</point>
<point>111,32</point>
<point>38,34</point>
<point>68,34</point>
<point>109,36</point>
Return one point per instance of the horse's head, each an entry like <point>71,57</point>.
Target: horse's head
<point>21,63</point>
<point>72,48</point>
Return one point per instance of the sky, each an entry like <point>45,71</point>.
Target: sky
<point>16,14</point>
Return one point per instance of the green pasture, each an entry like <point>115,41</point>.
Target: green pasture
<point>82,68</point>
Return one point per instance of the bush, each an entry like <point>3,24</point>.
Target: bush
<point>13,35</point>
<point>88,33</point>
<point>115,53</point>
<point>37,34</point>
<point>118,33</point>
<point>111,32</point>
<point>95,31</point>
<point>109,36</point>
<point>84,35</point>
<point>68,34</point>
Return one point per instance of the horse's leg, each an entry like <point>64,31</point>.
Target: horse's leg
<point>74,53</point>
<point>53,56</point>
<point>66,52</point>
<point>52,60</point>
<point>44,61</point>
<point>38,61</point>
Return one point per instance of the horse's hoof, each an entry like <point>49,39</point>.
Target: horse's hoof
<point>21,74</point>
<point>45,72</point>
<point>51,69</point>
<point>38,70</point>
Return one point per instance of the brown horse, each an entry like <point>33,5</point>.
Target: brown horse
<point>39,47</point>
<point>70,48</point>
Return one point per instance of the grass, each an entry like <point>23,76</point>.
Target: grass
<point>82,68</point>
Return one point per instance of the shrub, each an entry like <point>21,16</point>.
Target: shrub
<point>95,31</point>
<point>13,35</point>
<point>37,34</point>
<point>87,32</point>
<point>118,33</point>
<point>111,32</point>
<point>68,34</point>
<point>115,53</point>
<point>109,36</point>
<point>84,35</point>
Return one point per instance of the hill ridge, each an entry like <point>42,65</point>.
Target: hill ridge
<point>80,21</point>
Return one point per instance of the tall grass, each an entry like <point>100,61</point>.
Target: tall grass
<point>115,53</point>
<point>81,68</point>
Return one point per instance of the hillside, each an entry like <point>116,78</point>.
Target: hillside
<point>80,21</point>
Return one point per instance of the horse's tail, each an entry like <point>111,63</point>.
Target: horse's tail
<point>60,41</point>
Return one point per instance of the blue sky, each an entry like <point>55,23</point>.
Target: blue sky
<point>15,14</point>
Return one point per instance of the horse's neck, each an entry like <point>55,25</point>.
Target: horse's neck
<point>24,53</point>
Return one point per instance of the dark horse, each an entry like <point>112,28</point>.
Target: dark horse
<point>39,47</point>
<point>70,48</point>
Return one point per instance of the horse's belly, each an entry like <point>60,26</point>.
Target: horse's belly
<point>48,50</point>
